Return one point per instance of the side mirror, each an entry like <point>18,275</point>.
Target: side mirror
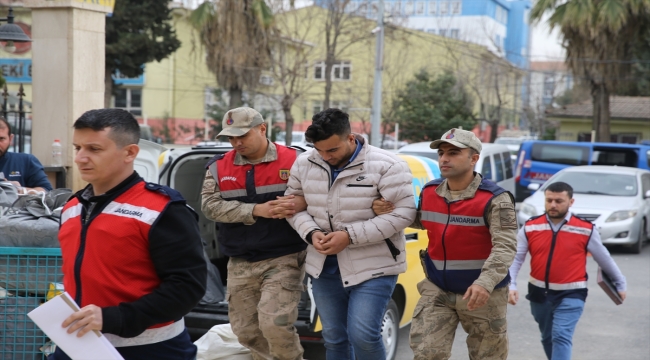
<point>533,186</point>
<point>647,195</point>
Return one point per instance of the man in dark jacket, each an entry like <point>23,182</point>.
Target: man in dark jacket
<point>132,253</point>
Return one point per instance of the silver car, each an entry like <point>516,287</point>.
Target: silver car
<point>616,199</point>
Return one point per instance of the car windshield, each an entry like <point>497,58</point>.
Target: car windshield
<point>295,137</point>
<point>599,183</point>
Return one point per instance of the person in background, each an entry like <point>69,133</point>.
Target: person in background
<point>132,253</point>
<point>24,171</point>
<point>558,243</point>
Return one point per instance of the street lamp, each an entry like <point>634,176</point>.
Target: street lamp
<point>12,33</point>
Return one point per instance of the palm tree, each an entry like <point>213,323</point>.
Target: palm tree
<point>235,35</point>
<point>597,35</point>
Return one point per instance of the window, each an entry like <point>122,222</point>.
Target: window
<point>389,8</point>
<point>408,8</point>
<point>560,154</point>
<point>316,107</point>
<point>618,157</point>
<point>419,8</point>
<point>486,171</point>
<point>433,7</point>
<point>498,166</point>
<point>443,32</point>
<point>501,15</point>
<point>645,183</point>
<point>130,100</point>
<point>507,160</point>
<point>397,9</point>
<point>319,71</point>
<point>456,7</point>
<point>444,8</point>
<point>341,70</point>
<point>266,80</point>
<point>454,33</point>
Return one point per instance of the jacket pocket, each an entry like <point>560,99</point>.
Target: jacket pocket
<point>360,185</point>
<point>394,251</point>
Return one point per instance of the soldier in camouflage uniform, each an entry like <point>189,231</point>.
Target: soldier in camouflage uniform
<point>472,241</point>
<point>266,266</point>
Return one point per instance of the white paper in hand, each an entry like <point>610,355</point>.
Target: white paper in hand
<point>92,346</point>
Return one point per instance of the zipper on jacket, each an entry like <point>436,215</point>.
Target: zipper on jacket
<point>80,253</point>
<point>329,218</point>
<point>444,249</point>
<point>550,258</point>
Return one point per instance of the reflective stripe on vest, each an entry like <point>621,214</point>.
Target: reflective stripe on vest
<point>269,177</point>
<point>71,213</point>
<point>459,264</point>
<point>149,336</point>
<point>568,260</point>
<point>441,218</point>
<point>556,286</point>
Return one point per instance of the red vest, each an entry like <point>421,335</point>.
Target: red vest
<point>256,184</point>
<point>110,263</point>
<point>459,237</point>
<point>460,225</point>
<point>270,177</point>
<point>566,251</point>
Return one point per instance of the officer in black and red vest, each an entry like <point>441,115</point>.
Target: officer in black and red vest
<point>472,240</point>
<point>266,266</point>
<point>132,253</point>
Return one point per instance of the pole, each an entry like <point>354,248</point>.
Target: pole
<point>396,135</point>
<point>376,91</point>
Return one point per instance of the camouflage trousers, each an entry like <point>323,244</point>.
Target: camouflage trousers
<point>263,301</point>
<point>436,318</point>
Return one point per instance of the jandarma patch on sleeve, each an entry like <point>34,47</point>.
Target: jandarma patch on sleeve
<point>507,216</point>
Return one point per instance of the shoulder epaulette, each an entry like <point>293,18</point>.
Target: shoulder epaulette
<point>214,159</point>
<point>173,195</point>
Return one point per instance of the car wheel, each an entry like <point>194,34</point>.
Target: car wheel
<point>638,245</point>
<point>390,329</point>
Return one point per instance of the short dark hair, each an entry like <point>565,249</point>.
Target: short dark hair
<point>6,123</point>
<point>558,187</point>
<point>125,129</point>
<point>327,123</point>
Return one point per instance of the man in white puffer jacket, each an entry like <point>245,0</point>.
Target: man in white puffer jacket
<point>354,256</point>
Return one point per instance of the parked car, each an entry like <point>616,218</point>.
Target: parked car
<point>538,160</point>
<point>184,170</point>
<point>616,199</point>
<point>494,162</point>
<point>391,143</point>
<point>297,138</point>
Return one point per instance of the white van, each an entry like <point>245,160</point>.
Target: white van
<point>494,162</point>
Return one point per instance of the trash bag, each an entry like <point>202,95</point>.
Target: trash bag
<point>32,221</point>
<point>8,193</point>
<point>214,290</point>
<point>220,343</point>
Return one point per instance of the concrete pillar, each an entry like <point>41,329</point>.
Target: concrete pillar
<point>67,72</point>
